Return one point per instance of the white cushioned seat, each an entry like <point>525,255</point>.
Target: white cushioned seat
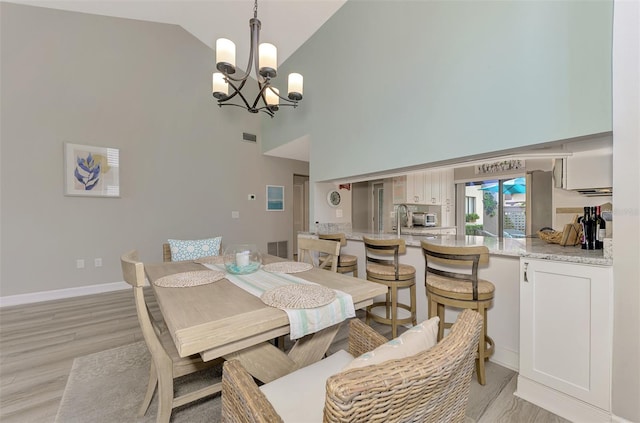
<point>299,396</point>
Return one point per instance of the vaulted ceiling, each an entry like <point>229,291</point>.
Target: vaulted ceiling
<point>285,23</point>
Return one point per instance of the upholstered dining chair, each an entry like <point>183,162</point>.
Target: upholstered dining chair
<point>319,252</point>
<point>429,386</point>
<point>166,363</point>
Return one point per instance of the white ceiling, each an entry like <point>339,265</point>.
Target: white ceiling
<point>285,23</point>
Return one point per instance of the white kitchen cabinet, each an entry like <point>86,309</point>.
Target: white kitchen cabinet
<point>399,189</point>
<point>448,190</point>
<point>415,188</point>
<point>565,338</point>
<point>432,187</point>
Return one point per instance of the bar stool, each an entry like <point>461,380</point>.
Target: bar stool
<point>346,262</point>
<point>458,286</point>
<point>395,276</point>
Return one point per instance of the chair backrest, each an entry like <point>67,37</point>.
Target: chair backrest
<point>166,252</point>
<point>340,237</point>
<point>374,248</point>
<point>133,273</point>
<point>431,386</point>
<point>460,263</point>
<point>320,253</point>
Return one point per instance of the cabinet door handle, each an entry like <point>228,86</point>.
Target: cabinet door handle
<point>526,277</point>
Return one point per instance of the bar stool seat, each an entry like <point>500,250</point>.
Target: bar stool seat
<point>347,263</point>
<point>451,280</point>
<point>459,289</point>
<point>395,276</point>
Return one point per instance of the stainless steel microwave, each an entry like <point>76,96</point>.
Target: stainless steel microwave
<point>424,219</point>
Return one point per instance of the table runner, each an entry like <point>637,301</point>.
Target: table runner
<point>302,321</point>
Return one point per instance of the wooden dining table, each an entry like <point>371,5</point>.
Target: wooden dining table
<point>220,319</point>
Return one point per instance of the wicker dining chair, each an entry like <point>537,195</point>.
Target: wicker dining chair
<point>166,363</point>
<point>430,386</point>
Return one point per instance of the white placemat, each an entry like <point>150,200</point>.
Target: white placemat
<point>298,296</point>
<point>287,267</point>
<point>189,279</point>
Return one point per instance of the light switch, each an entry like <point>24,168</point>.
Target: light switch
<point>338,212</point>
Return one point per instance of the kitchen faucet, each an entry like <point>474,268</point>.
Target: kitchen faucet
<point>398,218</point>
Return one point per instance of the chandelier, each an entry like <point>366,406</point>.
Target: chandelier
<point>265,60</point>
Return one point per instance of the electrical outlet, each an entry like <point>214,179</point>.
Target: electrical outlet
<point>97,262</point>
<point>80,264</point>
<point>235,215</point>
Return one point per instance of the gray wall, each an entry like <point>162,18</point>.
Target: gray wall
<point>403,83</point>
<point>143,88</point>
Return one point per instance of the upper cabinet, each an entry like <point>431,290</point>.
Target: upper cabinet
<point>589,173</point>
<point>415,188</point>
<point>431,187</point>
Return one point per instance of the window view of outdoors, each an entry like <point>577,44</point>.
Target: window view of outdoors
<point>488,213</point>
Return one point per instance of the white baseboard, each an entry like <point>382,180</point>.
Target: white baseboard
<point>506,358</point>
<point>559,403</point>
<point>618,419</point>
<point>58,294</point>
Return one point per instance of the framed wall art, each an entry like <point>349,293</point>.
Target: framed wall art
<point>91,171</point>
<point>275,198</point>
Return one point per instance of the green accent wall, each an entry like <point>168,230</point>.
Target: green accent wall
<point>394,84</point>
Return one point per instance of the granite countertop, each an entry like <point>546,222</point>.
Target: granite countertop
<point>517,247</point>
<point>424,230</point>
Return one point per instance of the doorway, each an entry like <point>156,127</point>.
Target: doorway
<point>300,208</point>
<point>378,207</point>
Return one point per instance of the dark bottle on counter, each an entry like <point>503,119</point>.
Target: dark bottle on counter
<point>592,224</point>
<point>584,220</point>
<point>600,228</point>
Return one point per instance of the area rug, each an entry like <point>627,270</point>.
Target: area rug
<point>107,387</point>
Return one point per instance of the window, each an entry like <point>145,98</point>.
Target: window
<point>470,205</point>
<point>500,206</point>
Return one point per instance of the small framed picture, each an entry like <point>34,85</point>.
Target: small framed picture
<point>91,171</point>
<point>275,198</point>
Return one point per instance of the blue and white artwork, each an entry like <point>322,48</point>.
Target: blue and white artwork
<point>91,171</point>
<point>275,198</point>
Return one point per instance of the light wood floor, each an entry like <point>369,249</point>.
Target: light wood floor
<point>38,343</point>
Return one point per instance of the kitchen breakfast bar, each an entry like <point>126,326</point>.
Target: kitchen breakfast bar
<point>550,320</point>
<point>503,270</point>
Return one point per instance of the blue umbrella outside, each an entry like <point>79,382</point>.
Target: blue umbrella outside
<point>512,186</point>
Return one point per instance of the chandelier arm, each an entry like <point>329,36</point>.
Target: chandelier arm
<point>239,93</point>
<point>254,25</point>
<point>263,87</point>
<point>288,100</point>
<point>236,90</point>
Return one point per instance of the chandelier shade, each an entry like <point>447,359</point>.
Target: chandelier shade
<point>263,59</point>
